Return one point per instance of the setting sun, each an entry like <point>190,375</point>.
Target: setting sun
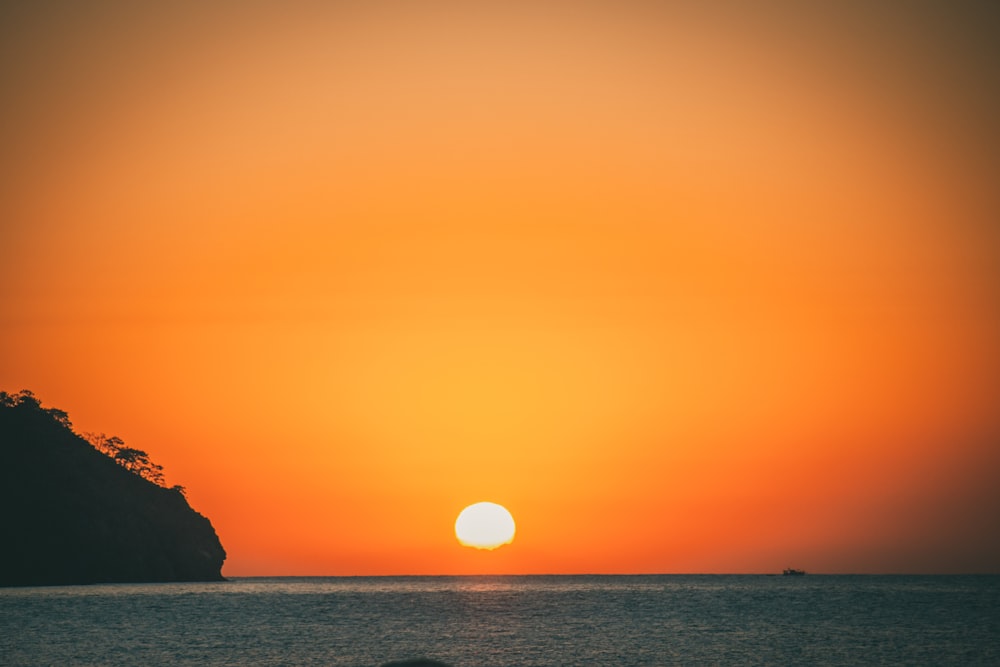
<point>484,526</point>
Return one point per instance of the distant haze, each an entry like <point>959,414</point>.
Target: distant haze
<point>686,287</point>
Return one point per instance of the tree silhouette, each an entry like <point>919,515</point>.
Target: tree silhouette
<point>108,445</point>
<point>138,462</point>
<point>23,399</point>
<point>134,460</point>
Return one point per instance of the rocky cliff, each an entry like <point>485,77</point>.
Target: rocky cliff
<point>72,515</point>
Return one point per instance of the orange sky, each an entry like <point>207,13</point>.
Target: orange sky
<point>686,287</point>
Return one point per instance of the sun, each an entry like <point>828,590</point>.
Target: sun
<point>484,526</point>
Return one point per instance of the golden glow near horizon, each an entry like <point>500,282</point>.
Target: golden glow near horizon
<point>484,525</point>
<point>690,288</point>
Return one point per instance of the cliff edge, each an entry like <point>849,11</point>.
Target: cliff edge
<point>74,515</point>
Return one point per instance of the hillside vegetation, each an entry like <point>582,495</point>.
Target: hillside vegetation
<point>79,512</point>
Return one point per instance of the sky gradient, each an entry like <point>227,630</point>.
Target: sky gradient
<point>687,287</point>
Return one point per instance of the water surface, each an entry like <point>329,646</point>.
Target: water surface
<point>511,621</point>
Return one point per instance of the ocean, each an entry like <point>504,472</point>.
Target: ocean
<point>510,621</point>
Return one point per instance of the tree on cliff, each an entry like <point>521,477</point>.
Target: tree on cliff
<point>26,399</point>
<point>134,460</point>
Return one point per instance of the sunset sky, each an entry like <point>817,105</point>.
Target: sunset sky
<point>687,287</point>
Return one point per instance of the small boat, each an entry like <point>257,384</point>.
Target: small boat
<point>791,572</point>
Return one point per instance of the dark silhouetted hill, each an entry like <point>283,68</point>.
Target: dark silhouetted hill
<point>72,515</point>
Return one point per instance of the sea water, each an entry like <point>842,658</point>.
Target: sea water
<point>532,620</point>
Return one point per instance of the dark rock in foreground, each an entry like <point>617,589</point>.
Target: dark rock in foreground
<point>71,515</point>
